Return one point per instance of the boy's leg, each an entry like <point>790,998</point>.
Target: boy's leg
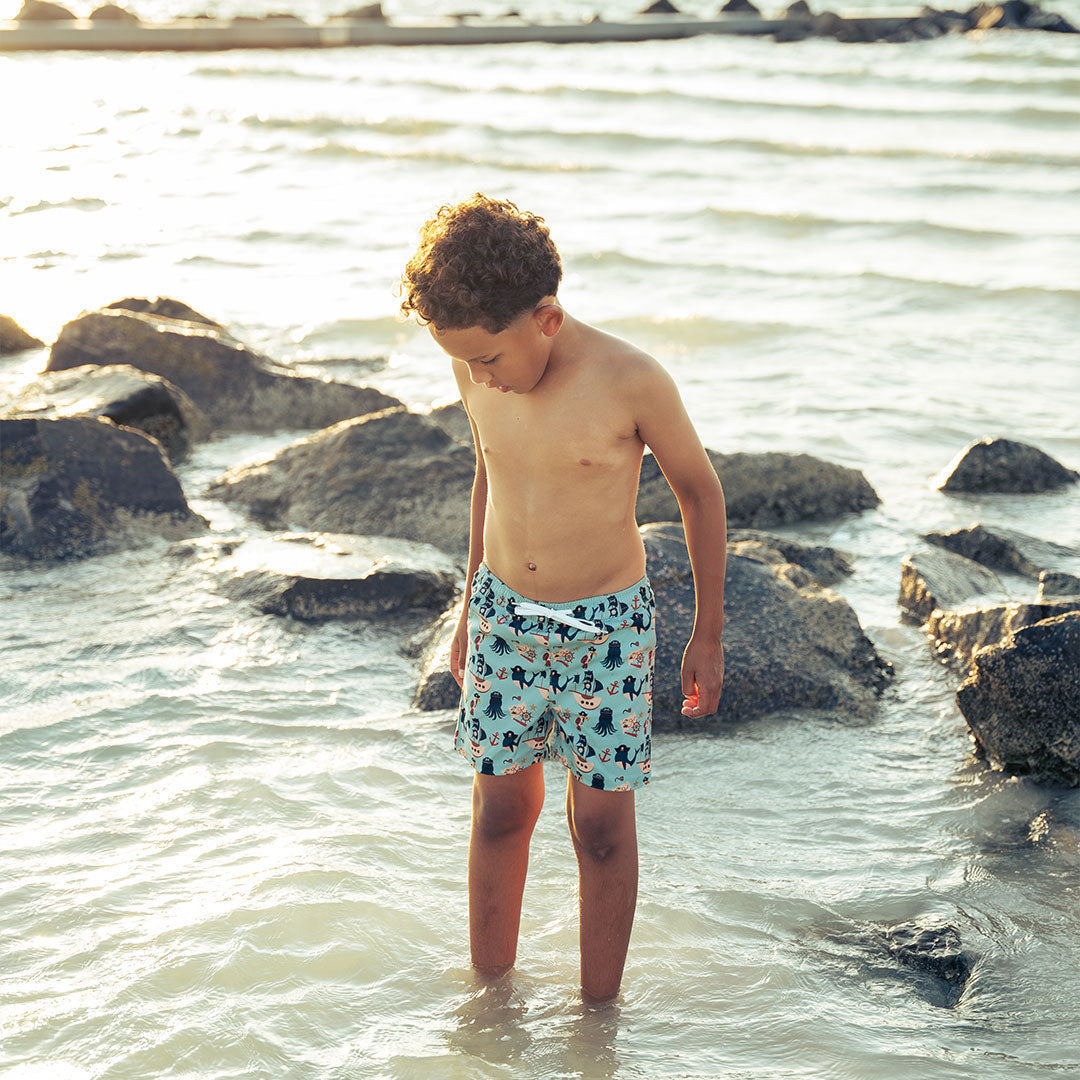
<point>504,811</point>
<point>604,833</point>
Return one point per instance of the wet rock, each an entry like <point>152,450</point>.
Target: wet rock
<point>166,308</point>
<point>660,7</point>
<point>368,12</point>
<point>1053,585</point>
<point>454,421</point>
<point>237,389</point>
<point>79,486</point>
<point>118,393</point>
<point>787,646</point>
<point>958,635</point>
<point>42,11</point>
<point>320,576</point>
<point>1008,550</point>
<point>1002,465</point>
<point>800,9</point>
<point>437,688</point>
<point>14,339</point>
<point>940,579</point>
<point>739,7</point>
<point>792,30</point>
<point>113,13</point>
<point>392,473</point>
<point>765,489</point>
<point>825,565</point>
<point>1022,701</point>
<point>934,950</point>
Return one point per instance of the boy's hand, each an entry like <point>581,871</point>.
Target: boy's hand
<point>702,677</point>
<point>459,649</point>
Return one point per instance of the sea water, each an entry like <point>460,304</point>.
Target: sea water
<point>230,848</point>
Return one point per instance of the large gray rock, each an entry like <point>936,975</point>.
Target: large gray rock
<point>14,339</point>
<point>392,473</point>
<point>1002,465</point>
<point>1054,584</point>
<point>825,565</point>
<point>436,688</point>
<point>1022,701</point>
<point>236,388</point>
<point>81,485</point>
<point>940,579</point>
<point>957,635</point>
<point>1008,550</point>
<point>765,489</point>
<point>119,393</point>
<point>164,306</point>
<point>320,576</point>
<point>453,419</point>
<point>42,11</point>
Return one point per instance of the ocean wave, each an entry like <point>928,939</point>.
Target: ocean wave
<point>450,157</point>
<point>88,204</point>
<point>333,125</point>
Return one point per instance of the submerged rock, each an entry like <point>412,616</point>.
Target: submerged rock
<point>319,576</point>
<point>958,634</point>
<point>391,473</point>
<point>1002,465</point>
<point>1008,550</point>
<point>939,579</point>
<point>236,388</point>
<point>1022,701</point>
<point>118,393</point>
<point>79,486</point>
<point>935,950</point>
<point>765,489</point>
<point>14,339</point>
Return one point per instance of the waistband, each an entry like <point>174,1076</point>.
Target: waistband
<point>622,595</point>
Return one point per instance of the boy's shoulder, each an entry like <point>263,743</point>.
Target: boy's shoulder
<point>631,365</point>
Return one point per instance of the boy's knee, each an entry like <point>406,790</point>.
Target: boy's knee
<point>600,834</point>
<point>501,811</point>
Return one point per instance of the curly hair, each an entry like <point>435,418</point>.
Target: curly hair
<point>482,262</point>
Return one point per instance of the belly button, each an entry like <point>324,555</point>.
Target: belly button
<point>532,565</point>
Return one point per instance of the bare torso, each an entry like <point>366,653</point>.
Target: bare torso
<point>562,466</point>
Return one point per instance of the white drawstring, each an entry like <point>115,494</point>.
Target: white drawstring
<point>527,607</point>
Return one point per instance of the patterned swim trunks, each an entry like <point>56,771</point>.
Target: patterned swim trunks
<point>568,681</point>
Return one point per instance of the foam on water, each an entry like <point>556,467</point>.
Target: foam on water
<point>228,846</point>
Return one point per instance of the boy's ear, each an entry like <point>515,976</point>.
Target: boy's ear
<point>550,317</point>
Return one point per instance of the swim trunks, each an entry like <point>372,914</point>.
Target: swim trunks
<point>569,681</point>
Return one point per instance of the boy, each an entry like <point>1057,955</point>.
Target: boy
<point>555,645</point>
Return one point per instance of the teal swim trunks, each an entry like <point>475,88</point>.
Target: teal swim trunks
<point>568,681</point>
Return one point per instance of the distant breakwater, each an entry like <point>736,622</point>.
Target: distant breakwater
<point>45,26</point>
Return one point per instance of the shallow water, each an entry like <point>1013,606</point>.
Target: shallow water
<point>228,847</point>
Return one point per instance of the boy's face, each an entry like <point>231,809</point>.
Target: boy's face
<point>512,361</point>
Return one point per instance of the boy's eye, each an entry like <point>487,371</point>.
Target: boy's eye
<point>487,363</point>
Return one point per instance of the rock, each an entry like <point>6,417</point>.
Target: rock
<point>958,635</point>
<point>765,489</point>
<point>1053,584</point>
<point>78,486</point>
<point>660,7</point>
<point>940,579</point>
<point>788,646</point>
<point>825,565</point>
<point>934,950</point>
<point>792,30</point>
<point>437,688</point>
<point>113,13</point>
<point>118,393</point>
<point>827,24</point>
<point>42,11</point>
<point>1002,465</point>
<point>236,388</point>
<point>391,473</point>
<point>1022,701</point>
<point>856,31</point>
<point>739,7</point>
<point>14,339</point>
<point>319,576</point>
<point>800,9</point>
<point>369,12</point>
<point>165,307</point>
<point>454,421</point>
<point>1008,550</point>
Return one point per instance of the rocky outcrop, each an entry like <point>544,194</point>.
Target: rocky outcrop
<point>392,473</point>
<point>113,13</point>
<point>1022,701</point>
<point>940,579</point>
<point>1002,465</point>
<point>237,389</point>
<point>164,306</point>
<point>957,635</point>
<point>436,688</point>
<point>79,486</point>
<point>1008,550</point>
<point>739,7</point>
<point>825,565</point>
<point>454,421</point>
<point>762,490</point>
<point>14,339</point>
<point>1053,584</point>
<point>320,576</point>
<point>119,393</point>
<point>42,11</point>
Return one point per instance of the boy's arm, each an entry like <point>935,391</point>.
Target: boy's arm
<point>477,511</point>
<point>666,429</point>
